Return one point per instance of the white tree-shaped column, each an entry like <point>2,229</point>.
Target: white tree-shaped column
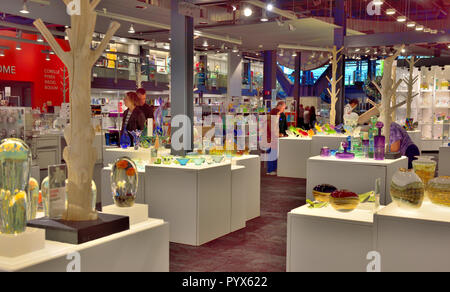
<point>80,155</point>
<point>388,89</point>
<point>410,81</point>
<point>334,92</point>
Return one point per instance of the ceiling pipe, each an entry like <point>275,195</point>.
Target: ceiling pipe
<point>28,28</point>
<point>303,48</point>
<point>116,16</point>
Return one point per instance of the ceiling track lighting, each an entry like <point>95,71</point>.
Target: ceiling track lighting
<point>235,49</point>
<point>264,17</point>
<point>205,44</point>
<point>427,29</point>
<point>24,8</point>
<point>401,18</point>
<point>282,52</point>
<point>47,57</point>
<point>390,11</point>
<point>294,54</point>
<point>40,39</point>
<point>357,49</point>
<point>269,6</point>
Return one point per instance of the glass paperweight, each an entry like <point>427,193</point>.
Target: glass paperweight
<point>438,191</point>
<point>124,178</point>
<point>32,199</point>
<point>15,161</point>
<point>407,189</point>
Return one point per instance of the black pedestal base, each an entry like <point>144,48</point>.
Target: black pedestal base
<point>392,155</point>
<point>77,232</point>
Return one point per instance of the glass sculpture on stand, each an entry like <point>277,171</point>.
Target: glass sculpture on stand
<point>32,199</point>
<point>438,191</point>
<point>425,168</point>
<point>124,178</point>
<point>136,138</point>
<point>407,189</point>
<point>15,161</point>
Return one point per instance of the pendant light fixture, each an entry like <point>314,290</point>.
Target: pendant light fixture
<point>427,29</point>
<point>18,47</point>
<point>378,2</point>
<point>248,12</point>
<point>281,53</point>
<point>40,39</point>
<point>294,54</point>
<point>419,28</point>
<point>235,49</point>
<point>47,57</point>
<point>264,17</point>
<point>390,11</point>
<point>131,30</point>
<point>411,24</point>
<point>2,53</point>
<point>401,18</point>
<point>24,8</point>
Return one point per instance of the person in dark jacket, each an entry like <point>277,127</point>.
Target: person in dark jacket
<point>133,117</point>
<point>313,117</point>
<point>148,110</point>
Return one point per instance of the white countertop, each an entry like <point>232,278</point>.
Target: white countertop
<point>296,138</point>
<point>428,212</point>
<point>189,166</point>
<point>359,215</point>
<point>355,160</point>
<point>331,136</point>
<point>243,157</point>
<point>237,167</point>
<point>55,249</point>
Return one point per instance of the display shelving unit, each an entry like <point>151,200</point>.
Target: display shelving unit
<point>431,107</point>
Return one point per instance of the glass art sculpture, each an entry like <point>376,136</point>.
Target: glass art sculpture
<point>425,168</point>
<point>124,178</point>
<point>407,189</point>
<point>32,199</point>
<point>438,191</point>
<point>322,192</point>
<point>344,201</point>
<point>15,161</point>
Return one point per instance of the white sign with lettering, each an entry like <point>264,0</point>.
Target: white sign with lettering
<point>7,69</point>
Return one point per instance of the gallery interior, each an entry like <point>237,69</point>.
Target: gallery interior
<point>224,136</point>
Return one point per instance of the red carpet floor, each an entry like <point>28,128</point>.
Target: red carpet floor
<point>260,247</point>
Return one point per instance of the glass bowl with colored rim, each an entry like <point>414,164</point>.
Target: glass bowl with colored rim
<point>183,161</point>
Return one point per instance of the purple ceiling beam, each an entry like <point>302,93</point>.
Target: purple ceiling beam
<point>397,38</point>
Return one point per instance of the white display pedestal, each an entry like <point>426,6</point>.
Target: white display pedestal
<point>143,248</point>
<point>195,200</point>
<point>106,193</point>
<point>252,174</point>
<point>138,213</point>
<point>331,141</point>
<point>238,198</point>
<point>416,138</point>
<point>444,161</point>
<point>292,156</point>
<point>19,244</point>
<point>412,241</point>
<point>110,155</point>
<point>357,175</point>
<point>325,240</point>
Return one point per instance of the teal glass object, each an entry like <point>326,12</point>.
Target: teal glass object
<point>124,178</point>
<point>15,162</point>
<point>183,161</point>
<point>199,161</point>
<point>217,158</point>
<point>32,199</point>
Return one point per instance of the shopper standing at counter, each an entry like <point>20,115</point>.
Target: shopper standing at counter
<point>133,117</point>
<point>401,142</point>
<point>148,110</point>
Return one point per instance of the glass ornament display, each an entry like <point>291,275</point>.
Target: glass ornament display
<point>124,178</point>
<point>438,191</point>
<point>15,162</point>
<point>407,189</point>
<point>32,199</point>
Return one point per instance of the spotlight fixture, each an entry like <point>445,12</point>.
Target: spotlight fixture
<point>2,53</point>
<point>433,31</point>
<point>357,49</point>
<point>131,30</point>
<point>205,44</point>
<point>378,2</point>
<point>235,49</point>
<point>294,54</point>
<point>40,39</point>
<point>291,27</point>
<point>282,52</point>
<point>419,27</point>
<point>427,29</point>
<point>411,24</point>
<point>403,50</point>
<point>390,11</point>
<point>401,18</point>
<point>47,57</point>
<point>18,47</point>
<point>367,51</point>
<point>269,6</point>
<point>448,46</point>
<point>248,11</point>
<point>24,8</point>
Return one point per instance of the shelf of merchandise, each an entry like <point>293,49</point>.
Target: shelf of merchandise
<point>429,106</point>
